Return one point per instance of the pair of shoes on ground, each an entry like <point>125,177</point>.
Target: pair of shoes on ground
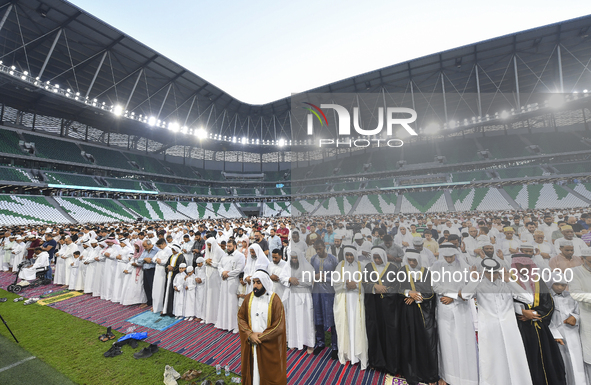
<point>170,375</point>
<point>191,374</point>
<point>115,350</point>
<point>107,336</point>
<point>146,352</point>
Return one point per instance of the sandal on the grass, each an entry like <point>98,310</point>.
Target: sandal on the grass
<point>107,336</point>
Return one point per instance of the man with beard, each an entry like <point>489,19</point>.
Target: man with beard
<point>297,244</point>
<point>381,315</point>
<point>261,320</point>
<point>393,251</point>
<point>336,249</point>
<point>418,328</point>
<point>533,319</point>
<point>213,256</point>
<point>488,251</point>
<point>278,273</point>
<point>569,235</point>
<point>427,258</point>
<point>198,248</point>
<point>323,297</point>
<point>349,310</point>
<point>229,268</point>
<point>172,269</point>
<point>566,258</point>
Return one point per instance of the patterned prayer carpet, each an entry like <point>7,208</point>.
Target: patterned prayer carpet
<point>205,343</point>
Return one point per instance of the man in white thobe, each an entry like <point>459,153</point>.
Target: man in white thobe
<point>502,358</point>
<point>278,270</point>
<point>213,282</point>
<point>230,266</point>
<point>125,254</point>
<point>580,291</point>
<point>299,312</point>
<point>349,310</point>
<point>458,350</point>
<point>159,285</point>
<point>110,267</point>
<point>565,330</point>
<point>64,259</point>
<point>41,262</point>
<point>254,262</point>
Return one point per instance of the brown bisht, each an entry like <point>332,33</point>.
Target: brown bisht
<point>272,352</point>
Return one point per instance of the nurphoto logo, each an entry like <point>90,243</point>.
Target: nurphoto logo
<point>343,117</point>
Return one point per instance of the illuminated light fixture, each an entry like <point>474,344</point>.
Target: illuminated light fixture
<point>151,121</point>
<point>432,129</point>
<point>244,140</point>
<point>504,114</point>
<point>585,91</point>
<point>281,142</point>
<point>201,134</point>
<point>556,101</point>
<point>174,126</point>
<point>452,124</point>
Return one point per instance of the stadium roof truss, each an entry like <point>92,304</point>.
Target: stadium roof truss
<point>103,68</point>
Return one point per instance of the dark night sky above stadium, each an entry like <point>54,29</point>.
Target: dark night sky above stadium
<point>261,51</point>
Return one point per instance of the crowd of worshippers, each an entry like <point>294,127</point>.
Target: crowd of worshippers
<point>506,327</point>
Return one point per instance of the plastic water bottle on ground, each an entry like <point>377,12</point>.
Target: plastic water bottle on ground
<point>227,370</point>
<point>47,292</point>
<point>218,369</point>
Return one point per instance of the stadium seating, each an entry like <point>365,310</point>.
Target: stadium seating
<point>353,164</point>
<point>171,188</point>
<point>423,202</point>
<point>15,175</point>
<point>458,150</point>
<point>543,196</point>
<point>20,210</point>
<point>85,210</point>
<point>148,164</point>
<point>420,152</point>
<point>51,148</point>
<point>9,142</point>
<point>336,206</point>
<point>126,184</point>
<point>556,142</point>
<point>347,186</point>
<point>573,168</point>
<point>108,158</point>
<point>469,176</point>
<point>479,199</point>
<point>582,188</point>
<point>222,210</point>
<point>380,183</point>
<point>377,204</point>
<point>70,179</point>
<point>520,172</point>
<point>504,146</point>
<point>189,209</point>
<point>366,207</point>
<point>271,209</point>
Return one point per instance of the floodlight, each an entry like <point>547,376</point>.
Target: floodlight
<point>117,110</point>
<point>201,134</point>
<point>504,114</point>
<point>556,101</point>
<point>281,142</point>
<point>174,126</point>
<point>151,121</point>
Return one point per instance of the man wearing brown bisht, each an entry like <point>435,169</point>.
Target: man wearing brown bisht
<point>261,320</point>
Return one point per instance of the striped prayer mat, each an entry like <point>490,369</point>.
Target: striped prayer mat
<point>204,343</point>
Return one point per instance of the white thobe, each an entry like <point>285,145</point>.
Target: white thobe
<point>280,270</point>
<point>502,358</point>
<point>189,288</point>
<point>259,312</point>
<point>299,312</point>
<point>109,271</point>
<point>159,285</point>
<point>458,350</point>
<point>91,265</point>
<point>62,266</point>
<point>74,266</point>
<point>227,317</point>
<point>199,272</point>
<point>349,316</point>
<point>572,351</point>
<point>540,261</point>
<point>212,285</point>
<point>179,294</point>
<point>578,245</point>
<point>7,253</point>
<point>133,285</point>
<point>580,291</point>
<point>126,254</point>
<point>29,273</point>
<point>18,251</point>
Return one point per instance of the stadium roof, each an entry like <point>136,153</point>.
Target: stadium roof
<point>60,43</point>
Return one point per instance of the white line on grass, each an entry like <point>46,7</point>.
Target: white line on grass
<point>17,363</point>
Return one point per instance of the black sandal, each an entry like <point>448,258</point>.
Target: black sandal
<point>113,351</point>
<point>107,336</point>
